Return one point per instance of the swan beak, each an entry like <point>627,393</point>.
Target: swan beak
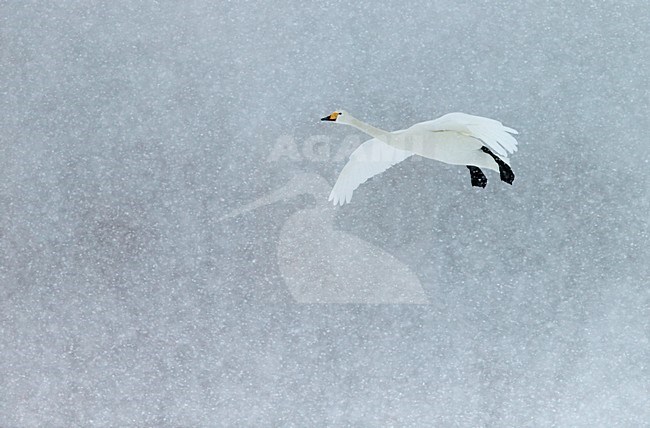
<point>332,117</point>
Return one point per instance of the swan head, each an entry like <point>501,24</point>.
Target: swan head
<point>339,116</point>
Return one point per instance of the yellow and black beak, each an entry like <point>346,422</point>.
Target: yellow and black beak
<point>332,117</point>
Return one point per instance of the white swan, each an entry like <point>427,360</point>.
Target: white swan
<point>455,138</point>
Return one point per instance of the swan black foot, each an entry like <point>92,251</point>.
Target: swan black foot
<point>478,178</point>
<point>504,169</point>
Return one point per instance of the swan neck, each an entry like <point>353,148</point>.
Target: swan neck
<point>368,129</point>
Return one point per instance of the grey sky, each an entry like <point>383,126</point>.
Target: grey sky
<point>129,129</point>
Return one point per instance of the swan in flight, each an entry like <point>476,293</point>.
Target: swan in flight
<point>455,138</point>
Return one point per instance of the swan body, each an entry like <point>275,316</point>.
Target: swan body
<point>455,138</point>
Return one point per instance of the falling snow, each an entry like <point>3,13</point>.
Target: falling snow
<point>137,290</point>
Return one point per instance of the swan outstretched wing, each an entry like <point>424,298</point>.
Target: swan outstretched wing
<point>369,159</point>
<point>492,132</point>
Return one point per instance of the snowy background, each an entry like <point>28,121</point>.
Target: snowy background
<point>128,129</point>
